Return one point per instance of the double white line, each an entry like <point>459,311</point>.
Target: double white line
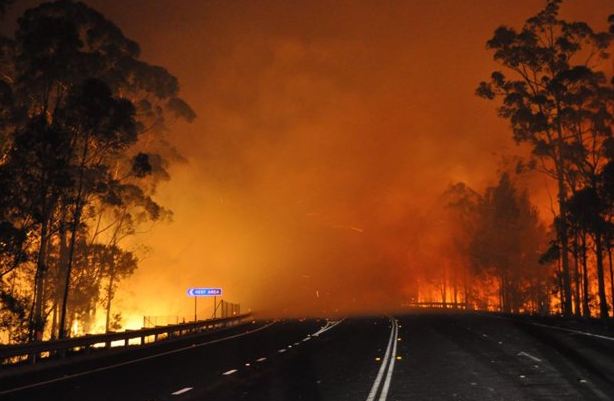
<point>387,366</point>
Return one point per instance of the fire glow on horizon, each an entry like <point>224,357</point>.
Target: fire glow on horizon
<point>326,134</point>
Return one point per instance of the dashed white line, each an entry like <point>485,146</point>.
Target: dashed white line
<point>531,357</point>
<point>183,390</point>
<point>133,361</point>
<point>261,359</point>
<point>229,372</point>
<point>281,350</point>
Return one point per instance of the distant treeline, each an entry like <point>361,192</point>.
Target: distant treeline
<point>82,147</point>
<point>557,92</point>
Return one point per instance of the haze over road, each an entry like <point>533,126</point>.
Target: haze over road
<point>426,356</point>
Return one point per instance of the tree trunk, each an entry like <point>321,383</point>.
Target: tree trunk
<point>71,252</point>
<point>54,321</point>
<point>75,227</point>
<point>37,323</point>
<point>444,292</point>
<point>454,289</point>
<point>566,290</point>
<point>576,276</point>
<point>611,277</point>
<point>586,310</point>
<point>603,301</point>
<point>466,289</point>
<point>502,298</point>
<point>61,273</point>
<point>559,274</point>
<point>109,299</point>
<point>562,223</point>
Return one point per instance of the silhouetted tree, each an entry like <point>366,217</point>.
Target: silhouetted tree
<point>502,238</point>
<point>82,118</point>
<point>547,58</point>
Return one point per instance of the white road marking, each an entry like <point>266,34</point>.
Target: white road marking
<point>531,357</point>
<point>386,387</point>
<point>183,390</point>
<point>329,325</point>
<point>382,368</point>
<point>229,372</point>
<point>133,361</point>
<point>281,350</point>
<point>583,333</point>
<point>600,394</point>
<point>261,359</point>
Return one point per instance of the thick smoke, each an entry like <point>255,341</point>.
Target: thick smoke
<point>326,133</point>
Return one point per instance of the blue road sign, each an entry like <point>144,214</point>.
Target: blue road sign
<point>204,292</point>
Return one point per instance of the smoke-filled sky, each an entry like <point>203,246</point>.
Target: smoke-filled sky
<point>326,132</point>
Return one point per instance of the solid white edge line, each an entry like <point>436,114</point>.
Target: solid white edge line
<point>133,361</point>
<point>384,394</point>
<point>183,390</point>
<point>380,372</point>
<point>583,333</point>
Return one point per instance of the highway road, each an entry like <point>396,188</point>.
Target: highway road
<point>426,356</point>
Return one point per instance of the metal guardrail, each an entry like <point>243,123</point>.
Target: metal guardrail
<point>37,350</point>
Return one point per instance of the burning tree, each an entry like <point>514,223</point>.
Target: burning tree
<point>557,99</point>
<point>82,121</point>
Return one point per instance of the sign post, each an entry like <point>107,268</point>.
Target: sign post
<point>204,292</point>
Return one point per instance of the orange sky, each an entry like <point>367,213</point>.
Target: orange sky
<point>325,132</point>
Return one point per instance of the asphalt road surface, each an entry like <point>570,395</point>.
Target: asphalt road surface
<point>411,357</point>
